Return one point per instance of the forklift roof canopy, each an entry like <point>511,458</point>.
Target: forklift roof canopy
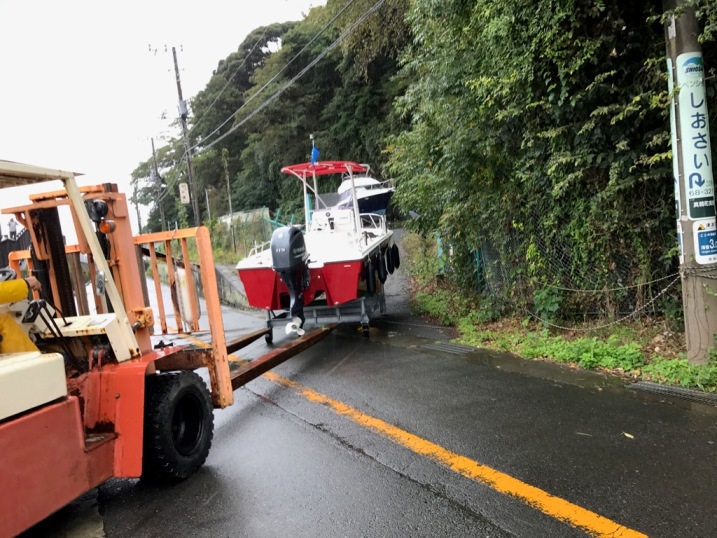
<point>15,174</point>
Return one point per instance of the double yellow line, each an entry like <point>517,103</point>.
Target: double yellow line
<point>572,514</point>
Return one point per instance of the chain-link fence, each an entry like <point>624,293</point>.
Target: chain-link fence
<point>250,228</point>
<point>548,280</point>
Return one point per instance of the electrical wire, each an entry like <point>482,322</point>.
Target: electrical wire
<point>228,81</point>
<point>276,75</point>
<point>170,182</point>
<point>280,91</point>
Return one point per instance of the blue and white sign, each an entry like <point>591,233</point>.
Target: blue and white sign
<point>695,137</point>
<point>705,236</point>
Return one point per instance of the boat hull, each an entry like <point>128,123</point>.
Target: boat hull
<point>338,282</point>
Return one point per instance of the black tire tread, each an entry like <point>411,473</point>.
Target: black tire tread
<point>159,460</point>
<point>370,277</point>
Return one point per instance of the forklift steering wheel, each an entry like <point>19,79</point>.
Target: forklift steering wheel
<point>7,274</point>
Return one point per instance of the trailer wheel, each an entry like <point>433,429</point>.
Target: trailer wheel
<point>178,425</point>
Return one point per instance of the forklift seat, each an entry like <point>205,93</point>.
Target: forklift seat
<point>30,379</point>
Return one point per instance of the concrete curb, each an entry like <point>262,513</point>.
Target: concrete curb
<point>692,395</point>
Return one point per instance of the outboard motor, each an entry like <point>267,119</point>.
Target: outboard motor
<point>289,258</point>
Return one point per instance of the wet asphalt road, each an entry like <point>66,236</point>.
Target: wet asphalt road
<point>285,463</point>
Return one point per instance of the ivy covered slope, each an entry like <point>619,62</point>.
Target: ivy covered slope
<point>539,128</point>
<point>539,123</point>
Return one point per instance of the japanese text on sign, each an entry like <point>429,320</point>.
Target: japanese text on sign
<point>694,136</point>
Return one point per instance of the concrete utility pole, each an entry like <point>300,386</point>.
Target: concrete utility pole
<point>209,211</point>
<point>694,181</point>
<point>183,113</point>
<point>136,205</point>
<point>158,186</point>
<point>229,195</point>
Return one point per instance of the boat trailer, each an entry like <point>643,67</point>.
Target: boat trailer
<point>361,310</point>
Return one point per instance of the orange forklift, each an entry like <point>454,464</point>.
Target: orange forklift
<point>104,395</point>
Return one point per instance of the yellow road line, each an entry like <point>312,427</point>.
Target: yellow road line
<point>572,514</point>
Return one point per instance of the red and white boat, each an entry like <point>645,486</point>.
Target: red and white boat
<point>339,257</point>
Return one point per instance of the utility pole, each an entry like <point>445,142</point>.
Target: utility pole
<point>229,196</point>
<point>135,188</point>
<point>158,186</point>
<point>209,211</point>
<point>694,181</point>
<point>183,113</point>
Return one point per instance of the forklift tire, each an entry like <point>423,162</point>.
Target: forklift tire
<point>178,425</point>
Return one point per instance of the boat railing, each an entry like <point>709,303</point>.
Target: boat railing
<point>259,247</point>
<point>342,220</point>
<point>373,222</point>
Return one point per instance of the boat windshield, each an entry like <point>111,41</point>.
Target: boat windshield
<point>360,182</point>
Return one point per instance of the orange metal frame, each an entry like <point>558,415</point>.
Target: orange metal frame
<point>124,274</point>
<point>215,359</point>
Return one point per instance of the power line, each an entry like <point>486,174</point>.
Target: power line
<point>299,75</point>
<point>228,81</point>
<point>273,97</point>
<point>255,94</point>
<point>170,183</point>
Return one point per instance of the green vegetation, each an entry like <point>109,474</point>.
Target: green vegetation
<point>628,350</point>
<point>680,372</point>
<point>614,354</point>
<point>534,134</point>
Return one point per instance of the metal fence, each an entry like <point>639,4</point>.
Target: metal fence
<point>10,245</point>
<point>549,281</point>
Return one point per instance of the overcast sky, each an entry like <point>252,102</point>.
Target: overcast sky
<point>81,90</point>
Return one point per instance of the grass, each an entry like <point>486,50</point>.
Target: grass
<point>643,349</point>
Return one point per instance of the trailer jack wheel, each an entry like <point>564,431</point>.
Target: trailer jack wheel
<point>364,330</point>
<point>269,337</point>
<point>178,425</point>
